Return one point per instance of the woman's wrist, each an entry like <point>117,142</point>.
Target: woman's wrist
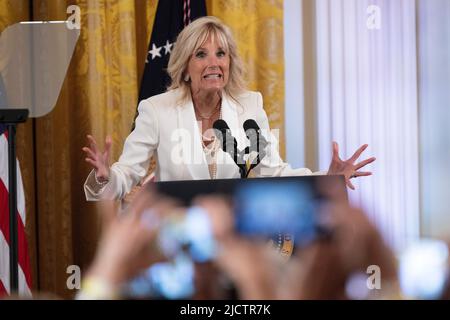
<point>101,180</point>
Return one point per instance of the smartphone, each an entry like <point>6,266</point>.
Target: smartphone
<point>266,209</point>
<point>185,238</point>
<point>423,269</point>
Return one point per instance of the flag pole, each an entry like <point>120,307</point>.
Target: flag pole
<point>11,117</point>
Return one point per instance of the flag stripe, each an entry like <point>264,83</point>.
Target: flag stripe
<point>24,262</point>
<point>21,236</point>
<point>3,291</point>
<point>4,176</point>
<point>24,288</point>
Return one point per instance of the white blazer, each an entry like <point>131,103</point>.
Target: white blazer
<point>167,129</point>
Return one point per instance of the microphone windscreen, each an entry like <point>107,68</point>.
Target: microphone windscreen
<point>220,125</point>
<point>250,124</point>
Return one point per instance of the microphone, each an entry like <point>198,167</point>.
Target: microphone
<point>229,145</point>
<point>257,141</point>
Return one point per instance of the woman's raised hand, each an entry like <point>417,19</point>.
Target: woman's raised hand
<point>348,167</point>
<point>98,159</point>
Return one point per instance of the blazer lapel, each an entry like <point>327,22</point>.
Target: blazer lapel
<point>193,155</point>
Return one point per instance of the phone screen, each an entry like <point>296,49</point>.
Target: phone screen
<point>266,209</point>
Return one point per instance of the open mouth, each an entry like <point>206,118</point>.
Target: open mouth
<point>212,76</point>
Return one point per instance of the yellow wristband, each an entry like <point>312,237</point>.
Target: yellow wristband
<point>93,288</point>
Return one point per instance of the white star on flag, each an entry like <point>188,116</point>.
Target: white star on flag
<point>168,47</point>
<point>155,52</point>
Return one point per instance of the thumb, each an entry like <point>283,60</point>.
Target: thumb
<point>335,149</point>
<point>350,184</point>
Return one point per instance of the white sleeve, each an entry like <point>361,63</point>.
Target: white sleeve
<point>134,161</point>
<point>272,165</point>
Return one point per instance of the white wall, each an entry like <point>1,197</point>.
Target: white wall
<point>294,101</point>
<point>434,106</point>
<point>364,90</point>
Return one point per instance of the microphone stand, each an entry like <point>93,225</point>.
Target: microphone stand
<point>238,157</point>
<point>261,143</point>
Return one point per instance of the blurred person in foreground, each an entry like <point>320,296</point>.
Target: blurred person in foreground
<point>331,267</point>
<point>126,247</point>
<point>338,267</point>
<point>322,269</point>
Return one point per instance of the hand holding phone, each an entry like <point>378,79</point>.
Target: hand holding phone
<point>185,237</point>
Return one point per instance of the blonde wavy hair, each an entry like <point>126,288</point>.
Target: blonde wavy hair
<point>193,37</point>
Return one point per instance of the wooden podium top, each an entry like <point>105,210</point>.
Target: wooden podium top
<point>186,190</point>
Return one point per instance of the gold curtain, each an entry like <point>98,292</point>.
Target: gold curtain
<point>99,96</point>
<point>258,28</point>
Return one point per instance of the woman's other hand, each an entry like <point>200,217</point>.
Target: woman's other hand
<point>348,168</point>
<point>98,159</point>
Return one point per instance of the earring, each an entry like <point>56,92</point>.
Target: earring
<point>186,78</point>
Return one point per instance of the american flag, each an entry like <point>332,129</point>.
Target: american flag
<point>171,17</point>
<point>24,261</point>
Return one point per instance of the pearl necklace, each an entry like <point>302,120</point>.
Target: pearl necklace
<point>212,150</point>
